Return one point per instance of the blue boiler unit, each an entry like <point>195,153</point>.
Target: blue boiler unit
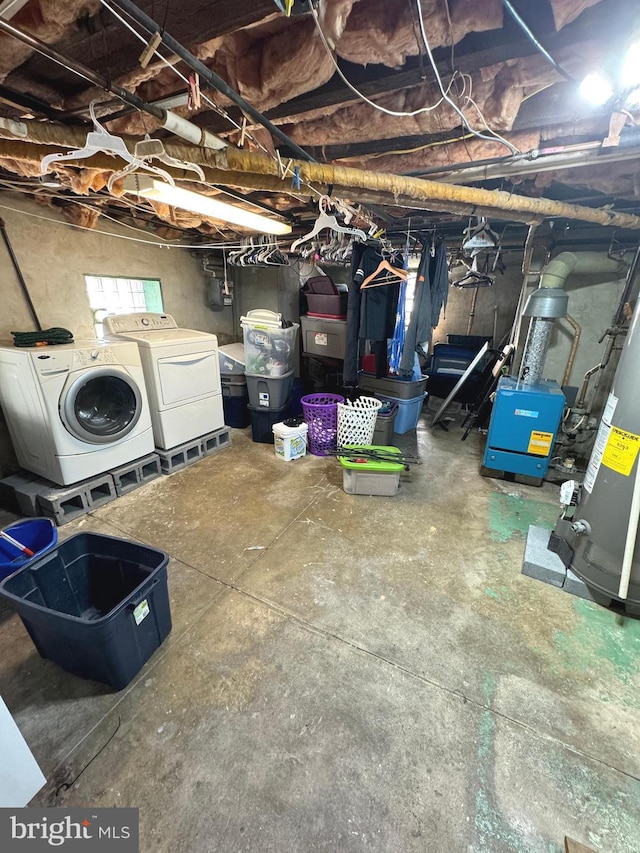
<point>523,427</point>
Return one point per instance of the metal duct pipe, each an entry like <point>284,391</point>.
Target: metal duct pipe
<point>558,270</point>
<point>535,350</point>
<point>550,301</point>
<point>206,74</point>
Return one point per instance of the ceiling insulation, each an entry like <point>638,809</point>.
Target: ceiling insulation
<point>281,67</point>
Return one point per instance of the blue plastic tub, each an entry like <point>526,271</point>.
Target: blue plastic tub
<point>96,605</point>
<point>38,534</point>
<point>408,412</point>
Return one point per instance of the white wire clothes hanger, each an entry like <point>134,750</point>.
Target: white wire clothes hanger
<point>326,220</point>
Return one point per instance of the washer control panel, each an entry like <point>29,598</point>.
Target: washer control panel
<point>119,324</point>
<point>99,355</point>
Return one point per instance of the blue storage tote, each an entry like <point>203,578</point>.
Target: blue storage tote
<point>38,534</point>
<point>97,606</point>
<point>408,412</point>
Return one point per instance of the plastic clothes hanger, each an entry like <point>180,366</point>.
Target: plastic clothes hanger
<point>101,141</point>
<point>323,221</point>
<point>153,149</point>
<point>480,236</point>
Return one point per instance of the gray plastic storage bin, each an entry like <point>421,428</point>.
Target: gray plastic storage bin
<point>403,389</point>
<point>385,424</point>
<point>231,359</point>
<point>233,385</point>
<point>269,392</point>
<point>324,337</point>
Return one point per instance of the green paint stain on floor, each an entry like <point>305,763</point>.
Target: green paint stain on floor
<point>597,638</point>
<point>607,804</point>
<point>499,594</point>
<point>511,516</point>
<point>493,830</point>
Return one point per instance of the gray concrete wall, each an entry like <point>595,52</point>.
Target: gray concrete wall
<point>54,259</point>
<point>503,294</point>
<point>591,304</point>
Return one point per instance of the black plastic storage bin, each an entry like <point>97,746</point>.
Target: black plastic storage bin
<point>236,414</point>
<point>96,605</point>
<point>263,419</point>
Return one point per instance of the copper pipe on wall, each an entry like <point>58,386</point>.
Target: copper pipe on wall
<point>577,331</point>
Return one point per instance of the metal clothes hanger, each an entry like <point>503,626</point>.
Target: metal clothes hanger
<point>326,220</point>
<point>101,141</point>
<point>473,278</point>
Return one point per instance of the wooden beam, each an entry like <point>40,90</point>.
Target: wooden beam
<point>108,47</point>
<point>607,19</point>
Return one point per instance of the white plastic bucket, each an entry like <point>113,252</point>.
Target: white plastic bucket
<point>290,442</point>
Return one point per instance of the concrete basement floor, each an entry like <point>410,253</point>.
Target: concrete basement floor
<point>348,673</point>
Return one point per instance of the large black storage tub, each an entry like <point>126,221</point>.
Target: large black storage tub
<point>96,605</point>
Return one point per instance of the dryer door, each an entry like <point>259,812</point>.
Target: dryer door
<point>101,406</point>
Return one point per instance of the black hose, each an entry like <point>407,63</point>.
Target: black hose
<point>23,283</point>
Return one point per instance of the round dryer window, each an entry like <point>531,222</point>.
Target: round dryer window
<point>101,406</point>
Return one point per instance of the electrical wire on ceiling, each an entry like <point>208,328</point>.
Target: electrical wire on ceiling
<point>445,97</point>
<point>421,147</point>
<point>495,137</point>
<point>363,97</point>
<point>526,29</point>
<point>185,79</point>
<point>204,97</point>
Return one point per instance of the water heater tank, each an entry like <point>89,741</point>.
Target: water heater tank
<point>592,544</point>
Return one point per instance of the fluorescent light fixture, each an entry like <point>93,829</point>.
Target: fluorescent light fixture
<point>596,89</point>
<point>630,74</point>
<point>147,187</point>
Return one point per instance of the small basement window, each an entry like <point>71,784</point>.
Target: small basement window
<point>109,295</point>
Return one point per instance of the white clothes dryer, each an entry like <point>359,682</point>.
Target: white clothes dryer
<point>181,372</point>
<point>75,410</point>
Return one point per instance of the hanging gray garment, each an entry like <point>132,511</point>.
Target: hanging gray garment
<point>419,329</point>
<point>439,276</point>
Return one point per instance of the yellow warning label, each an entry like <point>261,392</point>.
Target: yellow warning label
<point>621,450</point>
<point>540,442</point>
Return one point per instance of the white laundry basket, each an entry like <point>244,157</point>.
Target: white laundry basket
<point>357,420</point>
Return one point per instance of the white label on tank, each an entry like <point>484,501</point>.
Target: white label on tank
<point>141,612</point>
<point>321,339</point>
<point>604,430</point>
<point>609,409</point>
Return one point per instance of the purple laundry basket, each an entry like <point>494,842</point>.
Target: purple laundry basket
<point>320,413</point>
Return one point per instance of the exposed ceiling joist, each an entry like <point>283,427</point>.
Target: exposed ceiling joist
<point>9,8</point>
<point>113,51</point>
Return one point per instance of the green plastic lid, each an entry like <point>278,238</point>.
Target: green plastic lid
<point>351,461</point>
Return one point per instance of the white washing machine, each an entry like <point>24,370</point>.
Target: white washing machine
<point>75,410</point>
<point>181,372</point>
